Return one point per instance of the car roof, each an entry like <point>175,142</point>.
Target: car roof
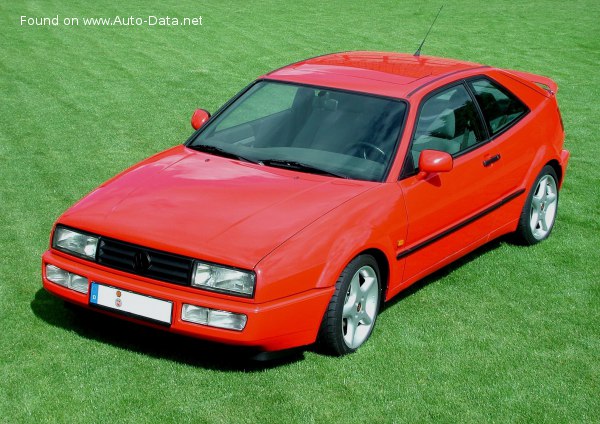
<point>382,73</point>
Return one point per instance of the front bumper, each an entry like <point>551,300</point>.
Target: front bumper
<point>279,324</point>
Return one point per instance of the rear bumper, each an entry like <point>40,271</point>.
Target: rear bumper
<point>280,324</point>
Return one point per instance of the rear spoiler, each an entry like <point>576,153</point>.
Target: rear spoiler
<point>549,86</point>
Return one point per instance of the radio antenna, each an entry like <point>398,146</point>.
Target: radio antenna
<point>418,52</point>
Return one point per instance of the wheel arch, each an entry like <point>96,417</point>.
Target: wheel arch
<point>384,269</point>
<point>558,169</point>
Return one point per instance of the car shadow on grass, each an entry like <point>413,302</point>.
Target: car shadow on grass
<point>154,342</point>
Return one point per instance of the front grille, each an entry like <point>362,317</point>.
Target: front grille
<point>149,263</point>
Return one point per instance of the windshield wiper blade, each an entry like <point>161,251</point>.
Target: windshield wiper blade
<point>214,150</point>
<point>300,166</point>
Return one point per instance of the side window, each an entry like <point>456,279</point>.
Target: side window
<point>448,122</point>
<point>500,108</point>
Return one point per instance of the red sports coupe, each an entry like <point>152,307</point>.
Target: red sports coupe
<point>321,190</point>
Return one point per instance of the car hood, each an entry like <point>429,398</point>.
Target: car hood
<point>208,207</point>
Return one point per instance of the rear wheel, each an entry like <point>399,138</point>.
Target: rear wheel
<point>539,213</point>
<point>353,309</point>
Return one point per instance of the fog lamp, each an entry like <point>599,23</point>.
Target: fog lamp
<point>213,317</point>
<point>66,279</point>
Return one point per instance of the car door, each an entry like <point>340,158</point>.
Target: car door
<point>446,210</point>
<point>513,144</point>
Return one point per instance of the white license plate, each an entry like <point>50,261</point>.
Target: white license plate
<point>131,303</point>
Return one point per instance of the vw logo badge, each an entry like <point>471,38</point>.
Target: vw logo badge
<point>141,261</point>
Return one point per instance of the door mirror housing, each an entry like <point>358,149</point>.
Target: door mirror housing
<point>199,118</point>
<point>433,161</point>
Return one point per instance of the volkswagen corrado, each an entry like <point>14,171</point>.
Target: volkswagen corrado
<point>321,190</point>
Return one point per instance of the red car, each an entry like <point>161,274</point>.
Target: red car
<point>321,190</point>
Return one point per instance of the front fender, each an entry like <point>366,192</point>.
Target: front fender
<point>315,257</point>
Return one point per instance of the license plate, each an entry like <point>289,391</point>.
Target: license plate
<point>130,303</point>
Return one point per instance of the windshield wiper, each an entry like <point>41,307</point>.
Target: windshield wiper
<point>300,166</point>
<point>214,150</point>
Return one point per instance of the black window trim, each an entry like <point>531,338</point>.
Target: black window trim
<point>466,83</point>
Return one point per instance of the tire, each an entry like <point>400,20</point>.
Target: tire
<point>539,213</point>
<point>353,308</point>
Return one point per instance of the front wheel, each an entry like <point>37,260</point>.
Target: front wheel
<point>539,213</point>
<point>353,309</point>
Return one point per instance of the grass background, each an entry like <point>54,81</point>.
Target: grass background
<point>507,334</point>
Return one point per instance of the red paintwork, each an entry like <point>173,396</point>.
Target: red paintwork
<point>209,207</point>
<point>387,74</point>
<point>199,118</point>
<point>298,231</point>
<point>434,161</point>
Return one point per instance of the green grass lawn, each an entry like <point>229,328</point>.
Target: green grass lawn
<point>507,334</point>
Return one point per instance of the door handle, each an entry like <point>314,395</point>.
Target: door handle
<point>489,161</point>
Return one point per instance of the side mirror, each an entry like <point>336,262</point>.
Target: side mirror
<point>199,118</point>
<point>432,161</point>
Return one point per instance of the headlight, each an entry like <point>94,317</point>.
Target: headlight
<point>222,279</point>
<point>76,243</point>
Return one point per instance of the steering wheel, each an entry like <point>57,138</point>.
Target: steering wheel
<point>366,150</point>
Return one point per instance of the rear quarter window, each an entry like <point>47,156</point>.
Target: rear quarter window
<point>501,109</point>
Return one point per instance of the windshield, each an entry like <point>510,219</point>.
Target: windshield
<point>307,129</point>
